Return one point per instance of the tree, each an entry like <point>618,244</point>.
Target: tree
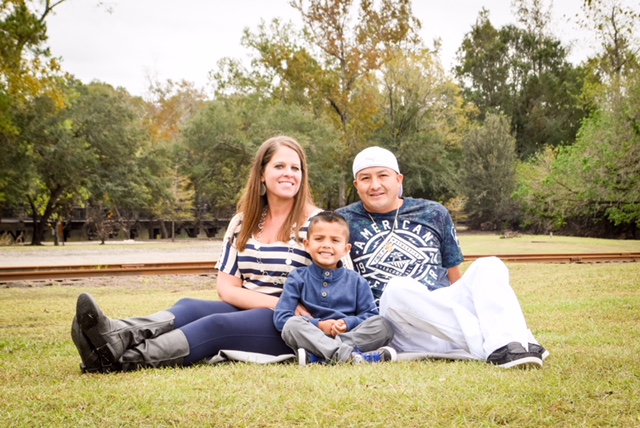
<point>215,153</point>
<point>100,223</point>
<point>483,69</point>
<point>27,67</point>
<point>181,206</point>
<point>55,161</point>
<point>488,169</point>
<point>601,172</point>
<point>540,201</point>
<point>591,187</point>
<point>27,70</point>
<point>523,73</point>
<point>91,150</point>
<point>171,105</point>
<point>330,67</point>
<point>126,177</point>
<point>422,119</point>
<point>219,144</point>
<point>614,24</point>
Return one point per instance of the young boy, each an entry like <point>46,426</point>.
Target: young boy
<point>344,324</point>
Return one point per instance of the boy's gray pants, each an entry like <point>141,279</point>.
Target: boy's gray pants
<point>371,334</point>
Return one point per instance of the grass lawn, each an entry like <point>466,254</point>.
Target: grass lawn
<point>490,243</point>
<point>472,243</point>
<point>588,316</point>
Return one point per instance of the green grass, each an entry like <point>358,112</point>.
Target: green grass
<point>588,316</point>
<point>489,243</point>
<point>472,243</point>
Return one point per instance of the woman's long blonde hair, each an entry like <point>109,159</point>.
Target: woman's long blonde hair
<point>252,204</point>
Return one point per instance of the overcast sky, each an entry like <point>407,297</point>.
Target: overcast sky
<point>184,39</point>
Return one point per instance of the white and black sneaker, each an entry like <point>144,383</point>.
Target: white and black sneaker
<point>515,355</point>
<point>536,348</point>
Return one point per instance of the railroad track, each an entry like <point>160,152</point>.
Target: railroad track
<point>565,258</point>
<point>26,273</point>
<point>29,273</point>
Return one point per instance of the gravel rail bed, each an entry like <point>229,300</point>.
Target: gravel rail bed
<point>114,252</point>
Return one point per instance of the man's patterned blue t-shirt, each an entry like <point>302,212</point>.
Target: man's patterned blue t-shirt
<point>423,245</point>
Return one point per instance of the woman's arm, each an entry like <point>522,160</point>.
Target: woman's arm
<point>231,291</point>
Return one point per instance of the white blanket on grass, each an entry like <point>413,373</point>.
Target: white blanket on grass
<point>227,356</point>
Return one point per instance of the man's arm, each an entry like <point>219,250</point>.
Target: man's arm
<point>455,273</point>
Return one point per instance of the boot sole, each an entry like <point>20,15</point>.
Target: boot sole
<point>88,314</point>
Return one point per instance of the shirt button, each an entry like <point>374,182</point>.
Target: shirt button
<point>325,294</point>
<point>327,273</point>
<point>325,284</point>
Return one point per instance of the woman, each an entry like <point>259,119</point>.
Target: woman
<point>263,244</point>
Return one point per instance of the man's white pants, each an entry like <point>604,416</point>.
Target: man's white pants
<point>473,317</point>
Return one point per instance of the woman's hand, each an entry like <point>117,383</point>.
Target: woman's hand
<point>301,311</point>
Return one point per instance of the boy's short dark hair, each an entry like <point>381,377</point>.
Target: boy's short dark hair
<point>329,217</point>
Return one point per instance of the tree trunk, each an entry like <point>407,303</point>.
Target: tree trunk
<point>38,226</point>
<point>38,231</point>
<point>56,234</point>
<point>342,192</point>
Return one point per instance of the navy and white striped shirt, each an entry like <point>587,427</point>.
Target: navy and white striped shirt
<point>264,269</point>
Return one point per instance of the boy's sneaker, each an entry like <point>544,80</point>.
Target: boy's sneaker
<point>514,355</point>
<point>305,358</point>
<point>539,349</point>
<point>378,356</point>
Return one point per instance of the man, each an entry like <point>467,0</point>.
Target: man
<point>409,252</point>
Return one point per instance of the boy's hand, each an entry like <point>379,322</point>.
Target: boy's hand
<point>339,327</point>
<point>326,326</point>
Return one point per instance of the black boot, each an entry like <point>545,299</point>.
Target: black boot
<point>167,350</point>
<point>110,338</point>
<point>91,362</point>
